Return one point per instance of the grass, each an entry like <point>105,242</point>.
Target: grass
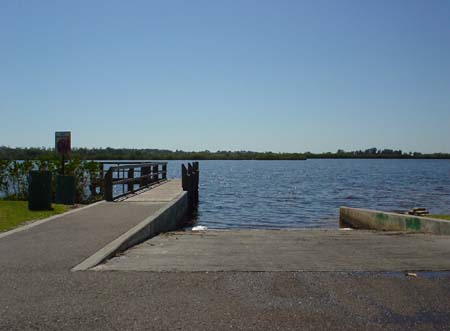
<point>442,217</point>
<point>15,213</point>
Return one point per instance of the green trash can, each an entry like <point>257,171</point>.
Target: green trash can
<point>39,190</point>
<point>65,190</point>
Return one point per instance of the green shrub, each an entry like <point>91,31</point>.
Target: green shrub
<point>14,177</point>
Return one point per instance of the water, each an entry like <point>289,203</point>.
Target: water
<point>308,194</point>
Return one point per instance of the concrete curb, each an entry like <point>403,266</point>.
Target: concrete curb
<point>165,219</point>
<point>384,221</point>
<point>45,220</point>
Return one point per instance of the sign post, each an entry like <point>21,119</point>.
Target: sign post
<point>63,146</point>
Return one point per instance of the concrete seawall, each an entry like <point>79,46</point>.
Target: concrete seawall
<point>384,221</point>
<point>168,218</point>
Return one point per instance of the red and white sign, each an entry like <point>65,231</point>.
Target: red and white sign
<point>62,142</point>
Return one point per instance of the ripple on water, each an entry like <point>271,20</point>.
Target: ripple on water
<point>305,194</point>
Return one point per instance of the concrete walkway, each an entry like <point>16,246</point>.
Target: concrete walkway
<point>286,250</point>
<point>65,241</point>
<point>162,193</point>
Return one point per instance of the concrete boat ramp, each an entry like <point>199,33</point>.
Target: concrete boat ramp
<point>286,250</point>
<point>307,280</point>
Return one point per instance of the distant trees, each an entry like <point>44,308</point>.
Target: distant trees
<point>8,153</point>
<point>371,151</point>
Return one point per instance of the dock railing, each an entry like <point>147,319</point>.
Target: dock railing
<point>132,174</point>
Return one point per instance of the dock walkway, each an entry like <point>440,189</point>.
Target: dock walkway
<point>67,240</point>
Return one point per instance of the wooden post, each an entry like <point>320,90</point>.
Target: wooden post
<point>155,173</point>
<point>130,185</point>
<point>195,166</point>
<point>191,178</point>
<point>144,172</point>
<point>190,190</point>
<point>194,185</point>
<point>164,171</point>
<point>191,185</point>
<point>184,178</point>
<point>108,186</point>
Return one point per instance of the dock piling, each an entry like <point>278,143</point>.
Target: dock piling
<point>190,182</point>
<point>184,179</point>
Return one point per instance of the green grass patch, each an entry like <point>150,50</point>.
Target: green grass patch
<point>442,217</point>
<point>14,213</point>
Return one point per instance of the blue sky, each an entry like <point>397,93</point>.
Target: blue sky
<point>254,75</point>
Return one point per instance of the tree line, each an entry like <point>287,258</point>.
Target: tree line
<point>42,153</point>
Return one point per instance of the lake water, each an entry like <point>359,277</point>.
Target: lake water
<point>308,194</point>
